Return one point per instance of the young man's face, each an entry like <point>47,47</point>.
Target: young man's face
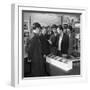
<point>59,31</point>
<point>65,30</point>
<point>37,30</point>
<point>54,30</point>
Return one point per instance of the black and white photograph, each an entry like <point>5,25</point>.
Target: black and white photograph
<point>51,43</point>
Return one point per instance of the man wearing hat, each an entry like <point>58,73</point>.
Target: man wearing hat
<point>35,53</point>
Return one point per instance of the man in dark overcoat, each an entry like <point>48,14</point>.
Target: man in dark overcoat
<point>35,53</point>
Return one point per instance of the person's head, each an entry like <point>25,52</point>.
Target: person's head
<point>43,30</point>
<point>65,28</point>
<point>59,29</point>
<point>36,28</point>
<point>54,28</point>
<point>48,29</point>
<point>70,27</point>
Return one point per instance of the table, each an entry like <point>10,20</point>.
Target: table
<point>55,67</point>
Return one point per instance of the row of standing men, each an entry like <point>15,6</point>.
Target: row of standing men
<point>43,42</point>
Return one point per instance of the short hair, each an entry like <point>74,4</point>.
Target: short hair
<point>65,26</point>
<point>60,27</point>
<point>36,25</point>
<point>70,27</point>
<point>54,26</point>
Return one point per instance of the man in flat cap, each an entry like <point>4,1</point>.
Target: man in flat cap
<point>35,53</point>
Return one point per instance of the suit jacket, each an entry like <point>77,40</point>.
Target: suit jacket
<point>35,55</point>
<point>45,46</point>
<point>53,39</point>
<point>53,46</point>
<point>64,43</point>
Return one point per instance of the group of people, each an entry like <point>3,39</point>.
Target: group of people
<point>47,40</point>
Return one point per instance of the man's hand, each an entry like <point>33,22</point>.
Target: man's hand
<point>29,60</point>
<point>49,41</point>
<point>44,56</point>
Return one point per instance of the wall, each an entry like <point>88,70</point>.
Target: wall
<point>5,42</point>
<point>46,19</point>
